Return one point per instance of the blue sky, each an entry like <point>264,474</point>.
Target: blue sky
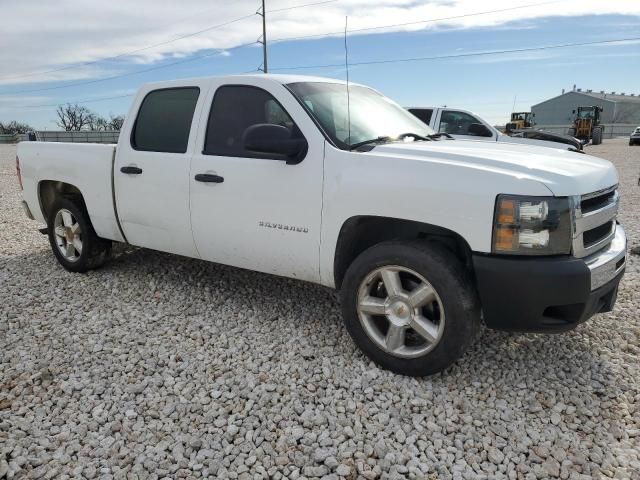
<point>484,84</point>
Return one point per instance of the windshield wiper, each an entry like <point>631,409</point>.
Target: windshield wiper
<point>424,138</point>
<point>382,139</point>
<point>415,136</point>
<point>434,136</point>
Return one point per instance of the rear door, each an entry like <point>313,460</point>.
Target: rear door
<point>256,211</point>
<point>151,174</point>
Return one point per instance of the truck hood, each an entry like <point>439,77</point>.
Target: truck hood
<point>563,172</point>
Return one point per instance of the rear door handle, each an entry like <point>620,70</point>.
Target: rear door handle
<point>209,177</point>
<point>131,170</point>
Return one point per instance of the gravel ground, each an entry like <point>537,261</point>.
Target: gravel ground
<point>162,366</point>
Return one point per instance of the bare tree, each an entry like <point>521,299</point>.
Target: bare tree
<point>14,127</point>
<point>98,123</point>
<point>73,117</point>
<point>116,122</point>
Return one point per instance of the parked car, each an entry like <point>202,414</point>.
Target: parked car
<point>634,138</point>
<point>465,125</point>
<point>423,236</point>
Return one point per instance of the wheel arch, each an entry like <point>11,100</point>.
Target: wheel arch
<point>361,232</point>
<point>50,190</point>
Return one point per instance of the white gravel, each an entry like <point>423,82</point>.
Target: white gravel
<point>161,366</point>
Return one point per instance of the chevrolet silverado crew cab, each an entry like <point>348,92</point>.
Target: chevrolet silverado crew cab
<point>313,179</point>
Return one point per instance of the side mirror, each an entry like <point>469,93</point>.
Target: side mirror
<point>479,130</point>
<point>276,140</point>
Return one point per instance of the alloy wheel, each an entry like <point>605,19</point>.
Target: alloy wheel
<point>68,235</point>
<point>400,311</point>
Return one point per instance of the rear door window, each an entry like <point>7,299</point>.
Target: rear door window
<point>164,120</point>
<point>423,114</point>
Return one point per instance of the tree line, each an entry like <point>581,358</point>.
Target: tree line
<point>74,118</point>
<point>71,118</point>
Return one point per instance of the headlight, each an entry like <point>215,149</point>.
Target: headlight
<point>531,226</point>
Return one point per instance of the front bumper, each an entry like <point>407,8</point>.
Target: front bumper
<point>549,294</point>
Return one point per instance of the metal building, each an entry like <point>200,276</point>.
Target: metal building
<point>618,108</point>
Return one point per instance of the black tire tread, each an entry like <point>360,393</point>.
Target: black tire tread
<point>596,136</point>
<point>459,295</point>
<point>96,250</point>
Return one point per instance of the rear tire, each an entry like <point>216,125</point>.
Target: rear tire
<point>73,240</point>
<point>596,136</point>
<point>411,307</point>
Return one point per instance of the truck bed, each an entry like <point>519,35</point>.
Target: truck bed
<point>89,167</point>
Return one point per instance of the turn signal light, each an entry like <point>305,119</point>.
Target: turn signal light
<point>506,211</point>
<point>504,239</point>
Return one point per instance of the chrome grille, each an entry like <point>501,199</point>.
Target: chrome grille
<point>595,221</point>
<point>595,201</point>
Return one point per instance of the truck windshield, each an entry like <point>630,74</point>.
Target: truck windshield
<point>372,116</point>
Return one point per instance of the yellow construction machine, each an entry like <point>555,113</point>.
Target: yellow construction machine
<point>586,125</point>
<point>520,120</point>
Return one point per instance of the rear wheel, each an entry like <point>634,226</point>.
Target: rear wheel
<point>596,136</point>
<point>73,240</point>
<point>410,307</point>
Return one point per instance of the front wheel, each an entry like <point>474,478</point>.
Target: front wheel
<point>410,306</point>
<point>73,240</point>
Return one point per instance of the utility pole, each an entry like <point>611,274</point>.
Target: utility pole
<point>264,38</point>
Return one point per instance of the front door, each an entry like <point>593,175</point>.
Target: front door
<point>254,210</point>
<point>463,126</point>
<point>151,172</point>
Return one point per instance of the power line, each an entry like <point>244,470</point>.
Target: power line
<point>79,102</point>
<point>384,61</point>
<point>136,72</point>
<point>131,52</point>
<point>166,42</point>
<point>263,39</point>
<point>300,6</point>
<point>460,55</point>
<point>417,22</point>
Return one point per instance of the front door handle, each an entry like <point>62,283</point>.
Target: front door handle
<point>131,170</point>
<point>209,177</point>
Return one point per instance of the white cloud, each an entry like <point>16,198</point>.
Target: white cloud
<point>54,35</point>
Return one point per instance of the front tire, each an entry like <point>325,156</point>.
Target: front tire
<point>73,240</point>
<point>410,306</point>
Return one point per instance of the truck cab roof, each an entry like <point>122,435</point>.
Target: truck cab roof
<point>273,77</point>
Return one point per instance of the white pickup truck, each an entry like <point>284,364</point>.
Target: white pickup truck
<point>466,125</point>
<point>424,236</point>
